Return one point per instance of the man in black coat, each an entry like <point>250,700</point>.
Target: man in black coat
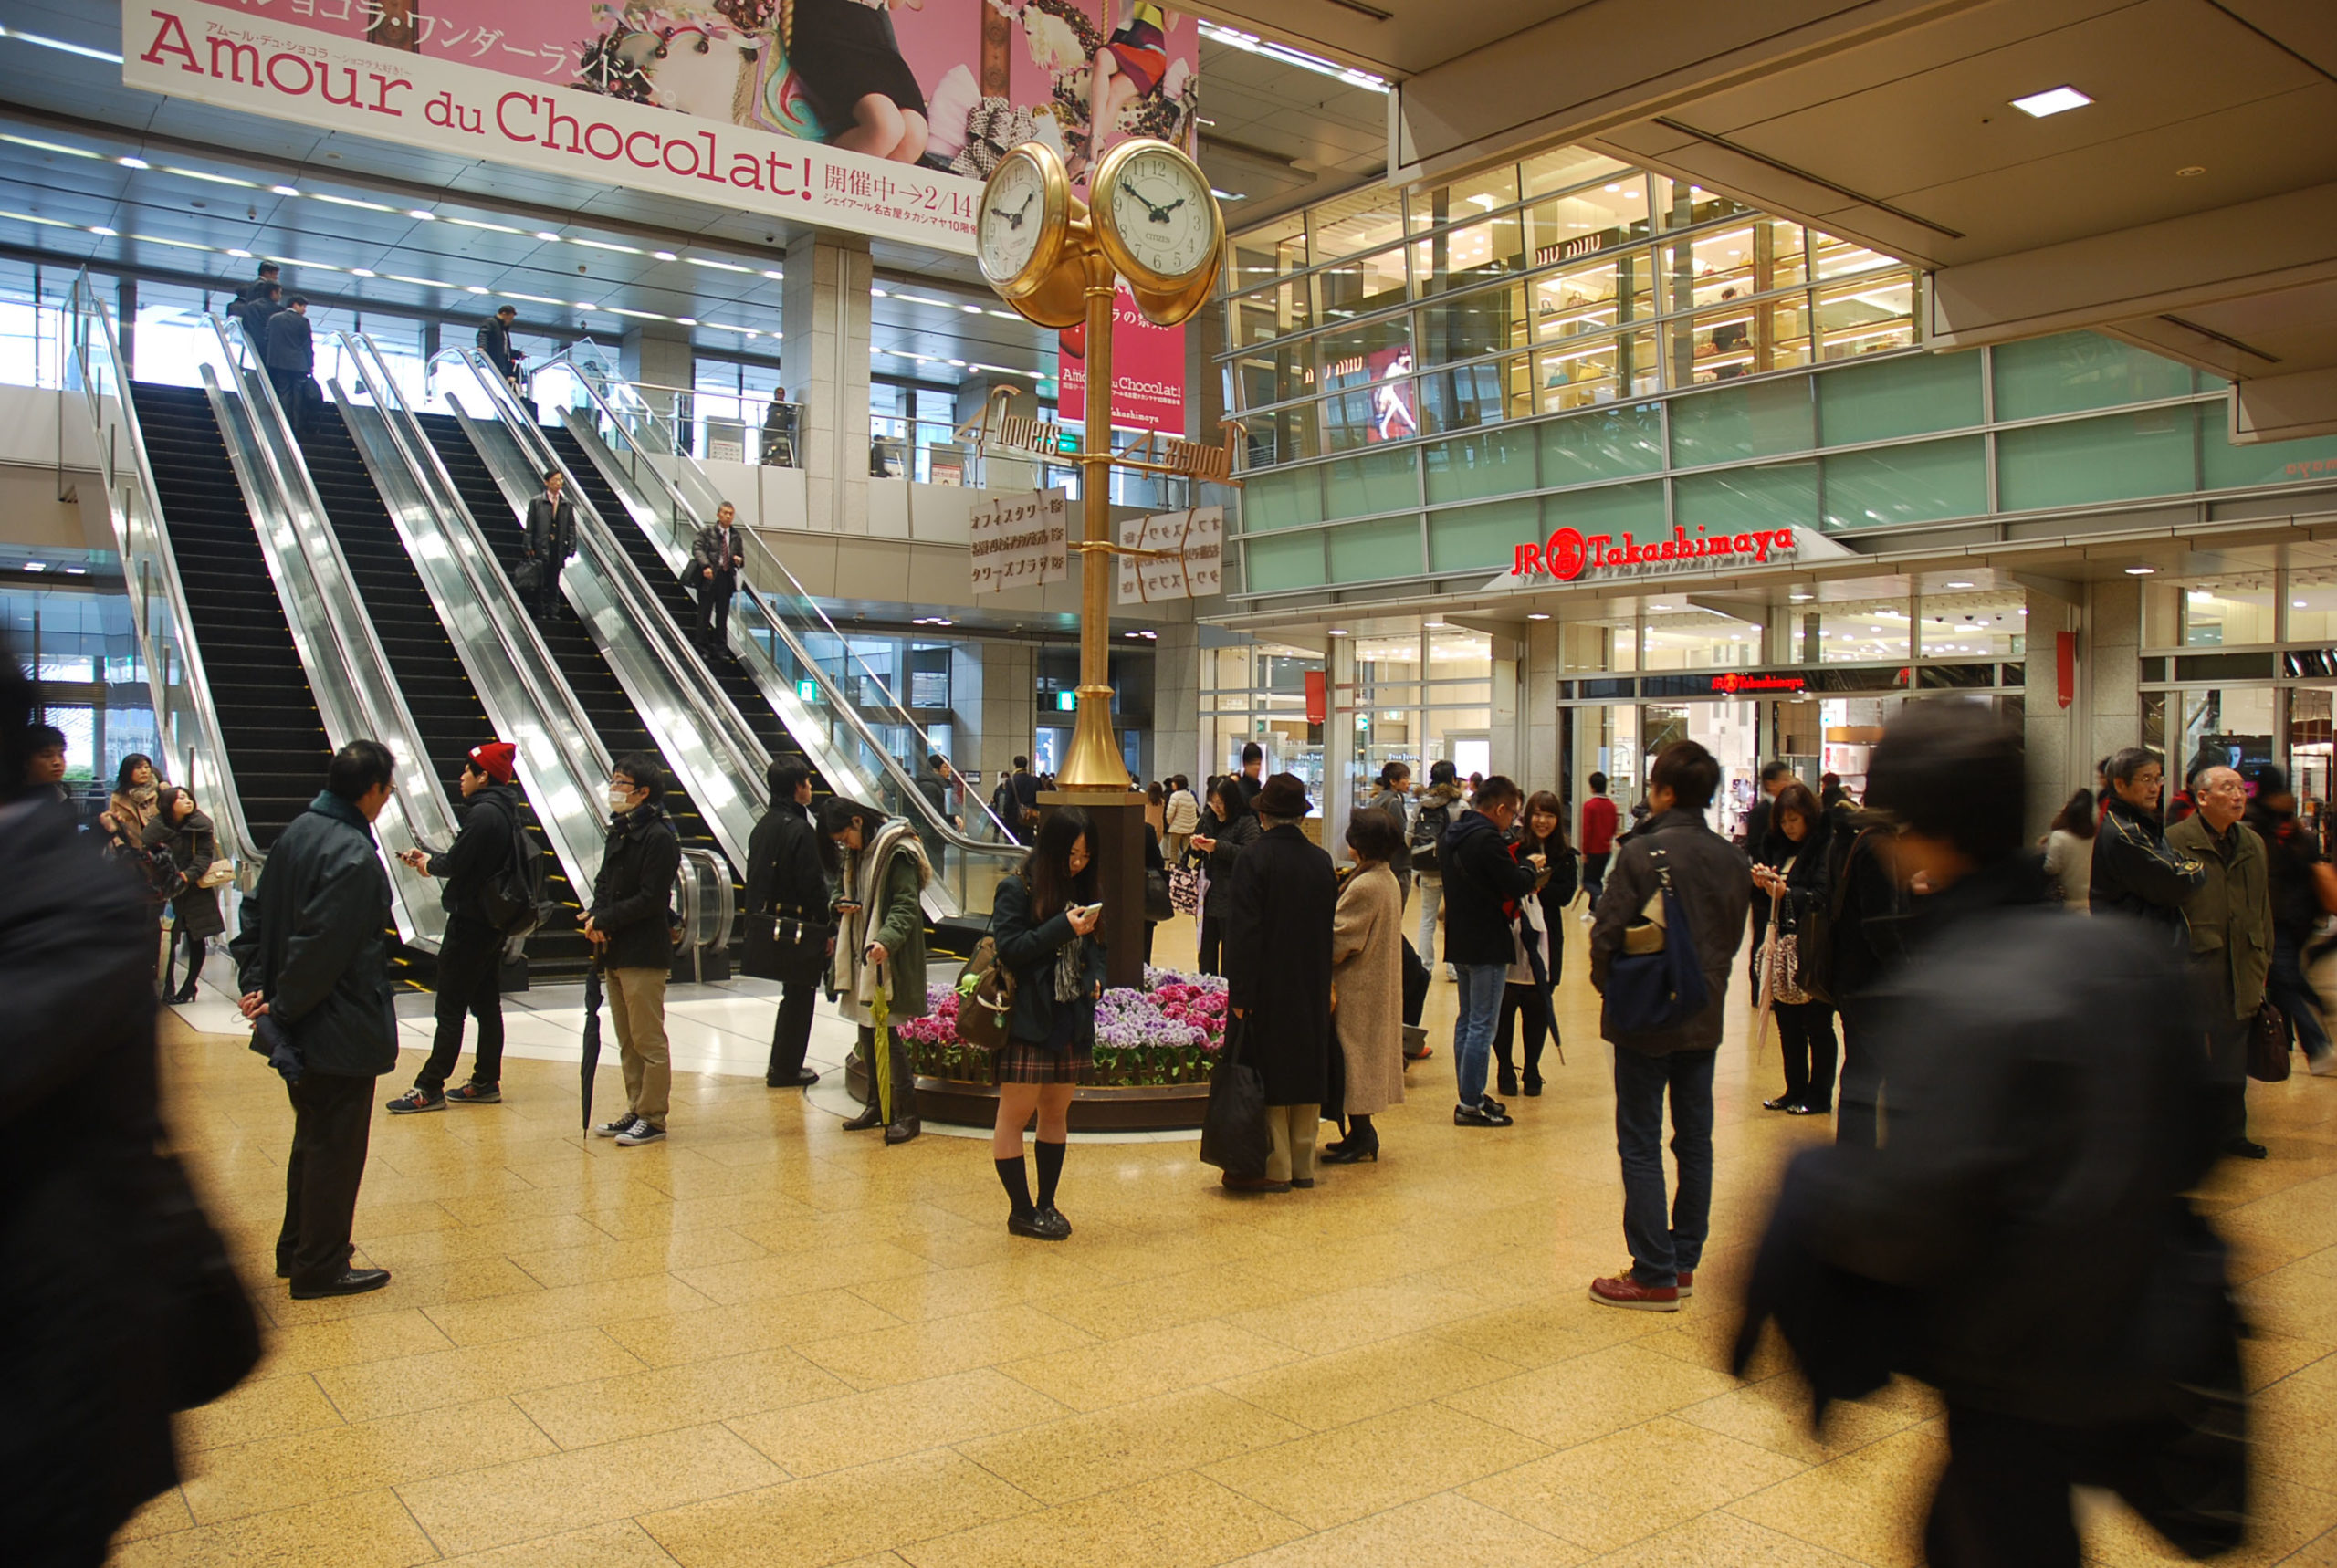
<point>552,539</point>
<point>1253,767</point>
<point>1278,977</point>
<point>629,933</point>
<point>292,360</point>
<point>470,955</point>
<point>1482,882</point>
<point>313,956</point>
<point>2134,871</point>
<point>254,308</point>
<point>494,342</point>
<point>716,555</point>
<point>787,936</point>
<point>2045,1105</point>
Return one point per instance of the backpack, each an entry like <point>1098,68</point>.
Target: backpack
<point>1428,832</point>
<point>1656,982</point>
<point>513,899</point>
<point>985,998</point>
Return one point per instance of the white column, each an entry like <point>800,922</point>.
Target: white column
<point>824,315</point>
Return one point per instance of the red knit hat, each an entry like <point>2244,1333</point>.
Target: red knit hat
<point>499,759</point>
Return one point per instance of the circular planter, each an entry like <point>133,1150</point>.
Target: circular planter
<point>1149,1108</point>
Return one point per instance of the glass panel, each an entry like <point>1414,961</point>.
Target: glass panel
<point>1458,655</point>
<point>1470,325</point>
<point>1860,629</point>
<point>1281,500</point>
<point>1284,437</point>
<point>1593,296</point>
<point>1360,287</point>
<point>1756,421</point>
<point>1376,482</point>
<point>1677,637</point>
<point>1867,318</point>
<point>2219,612</point>
<point>1986,623</point>
<point>1475,395</point>
<point>1913,394</point>
<point>1841,258</point>
<point>2080,371</point>
<point>1729,263</point>
<point>1577,376</point>
<point>1915,484</point>
<point>1454,204</point>
<point>1276,375</point>
<point>1596,218</point>
<point>2312,607</point>
<point>1269,251</point>
<point>1681,205</point>
<point>2113,458</point>
<point>1367,552</point>
<point>2231,728</point>
<point>2266,463</point>
<point>1363,220</point>
<point>1568,166</point>
<point>1293,560</point>
<point>1616,441</point>
<point>1274,313</point>
<point>1590,646</point>
<point>1484,536</point>
<point>1496,464</point>
<point>1774,496</point>
<point>1368,370</point>
<point>1459,258</point>
<point>1613,510</point>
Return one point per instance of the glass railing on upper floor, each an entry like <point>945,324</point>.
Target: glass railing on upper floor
<point>186,721</point>
<point>563,767</point>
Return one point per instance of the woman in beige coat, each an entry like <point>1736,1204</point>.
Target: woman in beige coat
<point>1368,985</point>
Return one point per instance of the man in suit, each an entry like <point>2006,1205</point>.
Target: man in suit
<point>552,539</point>
<point>715,557</point>
<point>495,341</point>
<point>291,360</point>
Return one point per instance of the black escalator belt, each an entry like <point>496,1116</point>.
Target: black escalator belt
<point>276,742</point>
<point>438,691</point>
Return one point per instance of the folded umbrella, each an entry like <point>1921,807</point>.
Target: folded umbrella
<point>591,1060</point>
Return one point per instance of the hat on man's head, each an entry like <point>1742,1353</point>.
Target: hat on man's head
<point>499,759</point>
<point>1284,795</point>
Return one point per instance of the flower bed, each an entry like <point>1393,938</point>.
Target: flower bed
<point>1166,1033</point>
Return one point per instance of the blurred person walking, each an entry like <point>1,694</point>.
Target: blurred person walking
<point>1540,943</point>
<point>1481,883</point>
<point>1775,776</point>
<point>2304,888</point>
<point>788,935</point>
<point>632,940</point>
<point>2068,852</point>
<point>1792,866</point>
<point>1392,796</point>
<point>1674,845</point>
<point>1227,828</point>
<point>1368,985</point>
<point>2044,1081</point>
<point>2229,916</point>
<point>312,958</point>
<point>1599,822</point>
<point>1425,850</point>
<point>1253,767</point>
<point>181,832</point>
<point>877,977</point>
<point>1279,914</point>
<point>470,955</point>
<point>44,774</point>
<point>1866,920</point>
<point>1043,922</point>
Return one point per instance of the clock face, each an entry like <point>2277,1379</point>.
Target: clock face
<point>1013,219</point>
<point>1163,214</point>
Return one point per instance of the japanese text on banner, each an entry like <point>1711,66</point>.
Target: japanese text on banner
<point>1194,571</point>
<point>1019,541</point>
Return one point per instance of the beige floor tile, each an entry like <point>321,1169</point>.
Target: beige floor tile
<point>848,1514</point>
<point>376,1388</point>
<point>1597,1494</point>
<point>1079,1456</point>
<point>520,1501</point>
<point>621,1544</point>
<point>1330,1477</point>
<point>1359,1314</point>
<point>1591,1396</point>
<point>1869,1505</point>
<point>914,1351</point>
<point>1447,1530</point>
<point>381,1336</point>
<point>1178,1521</point>
<point>570,1306</point>
<point>1164,1303</point>
<point>637,1403</point>
<point>891,1422</point>
<point>278,1472</point>
<point>926,1292</point>
<point>1350,1386</point>
<point>157,1516</point>
<point>1774,1416</point>
<point>257,1407</point>
<point>766,1324</point>
<point>1091,1376</point>
<point>1724,1540</point>
<point>370,1531</point>
<point>1543,1333</point>
<point>605,1257</point>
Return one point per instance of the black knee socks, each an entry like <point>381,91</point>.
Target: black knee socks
<point>1358,1128</point>
<point>1015,1178</point>
<point>1050,1171</point>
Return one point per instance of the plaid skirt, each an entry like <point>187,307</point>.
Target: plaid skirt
<point>1019,1062</point>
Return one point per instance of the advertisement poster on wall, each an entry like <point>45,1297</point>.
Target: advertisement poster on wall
<point>880,117</point>
<point>1147,372</point>
<point>1376,394</point>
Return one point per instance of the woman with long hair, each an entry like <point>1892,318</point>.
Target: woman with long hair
<point>1043,922</point>
<point>1367,987</point>
<point>1525,997</point>
<point>2069,851</point>
<point>1226,829</point>
<point>132,807</point>
<point>181,832</point>
<point>1791,860</point>
<point>879,871</point>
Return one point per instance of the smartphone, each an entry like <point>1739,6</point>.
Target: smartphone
<point>1094,908</point>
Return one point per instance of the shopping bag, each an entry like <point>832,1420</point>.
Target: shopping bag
<point>1233,1129</point>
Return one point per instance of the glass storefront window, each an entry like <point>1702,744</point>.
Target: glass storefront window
<point>1365,220</point>
<point>1984,623</point>
<point>2312,606</point>
<point>1616,442</point>
<point>1360,287</point>
<point>2223,612</point>
<point>2231,727</point>
<point>1468,326</point>
<point>1841,258</point>
<point>1595,218</point>
<point>1270,251</point>
<point>1275,375</point>
<point>1454,203</point>
<point>1867,318</point>
<point>1593,296</point>
<point>1579,375</point>
<point>1678,637</point>
<point>1283,437</point>
<point>1475,395</point>
<point>1845,632</point>
<point>1274,313</point>
<point>1681,205</point>
<point>1595,646</point>
<point>1458,258</point>
<point>1566,167</point>
<point>1458,655</point>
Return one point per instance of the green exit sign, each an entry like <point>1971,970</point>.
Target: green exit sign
<point>1066,702</point>
<point>809,691</point>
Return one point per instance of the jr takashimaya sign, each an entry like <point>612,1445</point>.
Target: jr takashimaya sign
<point>881,117</point>
<point>1569,555</point>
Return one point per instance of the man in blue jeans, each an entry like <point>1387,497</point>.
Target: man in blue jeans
<point>1482,882</point>
<point>1713,885</point>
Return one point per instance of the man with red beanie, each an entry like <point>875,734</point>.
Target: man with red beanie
<point>470,956</point>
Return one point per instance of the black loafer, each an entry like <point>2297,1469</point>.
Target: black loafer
<point>353,1282</point>
<point>1782,1102</point>
<point>1039,1225</point>
<point>1466,1116</point>
<point>1802,1110</point>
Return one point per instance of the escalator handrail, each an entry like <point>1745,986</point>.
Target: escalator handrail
<point>905,783</point>
<point>226,807</point>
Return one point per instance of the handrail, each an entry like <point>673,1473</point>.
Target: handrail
<point>510,667</point>
<point>150,573</point>
<point>727,799</point>
<point>350,678</point>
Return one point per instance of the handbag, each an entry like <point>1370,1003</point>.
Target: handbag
<point>1185,891</point>
<point>529,575</point>
<point>218,873</point>
<point>2268,1045</point>
<point>1159,902</point>
<point>1233,1129</point>
<point>1656,982</point>
<point>985,998</point>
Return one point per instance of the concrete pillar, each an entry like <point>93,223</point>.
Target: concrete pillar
<point>1508,750</point>
<point>1000,707</point>
<point>2110,641</point>
<point>1538,698</point>
<point>824,314</point>
<point>658,355</point>
<point>1175,702</point>
<point>2055,737</point>
<point>1341,786</point>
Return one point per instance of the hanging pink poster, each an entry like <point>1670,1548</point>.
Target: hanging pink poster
<point>1147,372</point>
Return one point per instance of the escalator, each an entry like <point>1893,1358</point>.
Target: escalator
<point>438,691</point>
<point>267,719</point>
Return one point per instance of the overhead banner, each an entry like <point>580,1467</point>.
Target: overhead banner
<point>1019,541</point>
<point>877,119</point>
<point>1147,372</point>
<point>1194,571</point>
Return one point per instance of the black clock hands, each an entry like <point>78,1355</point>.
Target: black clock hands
<point>1158,215</point>
<point>1014,219</point>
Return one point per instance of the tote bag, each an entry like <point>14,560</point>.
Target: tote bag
<point>1656,983</point>
<point>1233,1130</point>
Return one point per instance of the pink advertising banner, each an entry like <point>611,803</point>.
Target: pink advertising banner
<point>881,117</point>
<point>1147,372</point>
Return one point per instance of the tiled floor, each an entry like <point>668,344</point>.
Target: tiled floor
<point>770,1342</point>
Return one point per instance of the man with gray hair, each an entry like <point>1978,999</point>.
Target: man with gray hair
<point>2231,917</point>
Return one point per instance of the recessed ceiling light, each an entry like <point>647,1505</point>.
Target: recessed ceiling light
<point>547,236</point>
<point>2053,101</point>
<point>1437,625</point>
<point>1959,585</point>
<point>285,190</point>
<point>423,214</point>
<point>245,253</point>
<point>1338,631</point>
<point>1801,598</point>
<point>663,255</point>
<point>362,272</point>
<point>2295,604</point>
<point>133,162</point>
<point>2142,571</point>
<point>472,288</point>
<point>778,276</point>
<point>1537,615</point>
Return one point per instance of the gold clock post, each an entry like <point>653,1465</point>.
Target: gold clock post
<point>1095,762</point>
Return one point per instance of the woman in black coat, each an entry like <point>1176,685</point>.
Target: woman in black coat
<point>1791,860</point>
<point>787,937</point>
<point>1279,911</point>
<point>1525,997</point>
<point>184,834</point>
<point>1044,923</point>
<point>1227,828</point>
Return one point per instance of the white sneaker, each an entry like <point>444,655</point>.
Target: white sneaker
<point>612,1129</point>
<point>2322,1066</point>
<point>640,1133</point>
<point>1451,973</point>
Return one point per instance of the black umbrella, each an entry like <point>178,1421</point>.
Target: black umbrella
<point>592,1062</point>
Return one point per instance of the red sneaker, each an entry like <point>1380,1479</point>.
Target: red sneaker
<point>1626,1292</point>
<point>1687,1277</point>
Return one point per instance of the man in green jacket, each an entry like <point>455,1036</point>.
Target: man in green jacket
<point>2230,916</point>
<point>311,957</point>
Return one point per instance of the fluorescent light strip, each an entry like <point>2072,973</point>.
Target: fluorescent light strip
<point>351,202</point>
<point>29,218</point>
<point>718,266</point>
<point>1252,44</point>
<point>47,146</point>
<point>45,42</point>
<point>491,228</point>
<point>921,299</point>
<point>604,244</point>
<point>179,243</point>
<point>621,310</point>
<point>536,300</point>
<point>418,282</point>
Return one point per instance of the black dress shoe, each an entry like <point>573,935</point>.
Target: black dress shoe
<point>2245,1149</point>
<point>1040,1225</point>
<point>902,1131</point>
<point>1782,1102</point>
<point>1352,1151</point>
<point>354,1283</point>
<point>805,1078</point>
<point>1494,1107</point>
<point>1801,1108</point>
<point>870,1116</point>
<point>1506,1081</point>
<point>1533,1088</point>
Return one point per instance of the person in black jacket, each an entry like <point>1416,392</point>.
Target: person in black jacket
<point>312,954</point>
<point>1283,898</point>
<point>2303,886</point>
<point>494,342</point>
<point>2044,1079</point>
<point>1044,923</point>
<point>291,355</point>
<point>552,539</point>
<point>184,834</point>
<point>787,937</point>
<point>254,307</point>
<point>470,955</point>
<point>1866,905</point>
<point>1540,830</point>
<point>1480,881</point>
<point>2134,873</point>
<point>1791,865</point>
<point>634,943</point>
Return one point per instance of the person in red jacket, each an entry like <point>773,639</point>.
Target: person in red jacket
<point>1598,840</point>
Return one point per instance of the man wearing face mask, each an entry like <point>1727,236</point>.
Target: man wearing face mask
<point>628,931</point>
